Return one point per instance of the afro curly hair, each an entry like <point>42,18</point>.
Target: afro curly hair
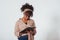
<point>27,6</point>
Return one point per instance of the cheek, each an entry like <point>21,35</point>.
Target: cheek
<point>27,17</point>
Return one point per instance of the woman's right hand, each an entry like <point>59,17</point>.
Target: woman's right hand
<point>20,34</point>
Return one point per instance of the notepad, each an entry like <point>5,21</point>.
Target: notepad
<point>27,29</point>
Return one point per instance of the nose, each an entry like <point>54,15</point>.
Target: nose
<point>28,17</point>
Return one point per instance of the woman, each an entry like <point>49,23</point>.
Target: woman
<point>25,22</point>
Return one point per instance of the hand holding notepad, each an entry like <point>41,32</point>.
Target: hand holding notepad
<point>27,29</point>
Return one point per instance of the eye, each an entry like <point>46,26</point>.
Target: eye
<point>28,16</point>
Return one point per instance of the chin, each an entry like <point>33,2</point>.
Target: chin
<point>28,18</point>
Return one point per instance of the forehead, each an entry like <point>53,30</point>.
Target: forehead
<point>28,13</point>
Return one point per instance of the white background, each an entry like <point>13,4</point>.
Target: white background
<point>46,16</point>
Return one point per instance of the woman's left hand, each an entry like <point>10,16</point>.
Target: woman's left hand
<point>31,32</point>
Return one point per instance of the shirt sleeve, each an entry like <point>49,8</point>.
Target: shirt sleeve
<point>34,24</point>
<point>34,32</point>
<point>17,29</point>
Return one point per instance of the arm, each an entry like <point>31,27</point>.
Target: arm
<point>34,32</point>
<point>16,31</point>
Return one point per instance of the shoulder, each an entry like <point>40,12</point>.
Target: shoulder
<point>31,20</point>
<point>19,20</point>
<point>33,23</point>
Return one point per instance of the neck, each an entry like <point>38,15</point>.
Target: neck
<point>24,20</point>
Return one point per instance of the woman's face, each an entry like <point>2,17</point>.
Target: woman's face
<point>26,15</point>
